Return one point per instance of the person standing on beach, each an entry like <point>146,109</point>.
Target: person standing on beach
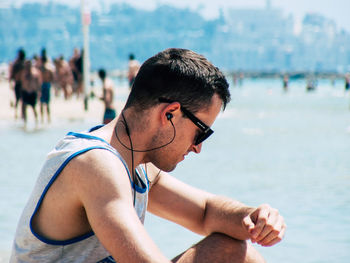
<point>285,82</point>
<point>47,76</point>
<point>31,86</point>
<point>79,64</point>
<point>64,77</point>
<point>108,96</point>
<point>72,64</point>
<point>92,194</point>
<point>15,76</point>
<point>133,68</point>
<point>347,81</point>
<point>76,66</point>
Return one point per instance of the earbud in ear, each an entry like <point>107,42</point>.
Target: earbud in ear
<point>169,116</point>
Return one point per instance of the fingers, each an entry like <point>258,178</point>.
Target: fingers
<point>248,224</point>
<point>274,240</point>
<point>269,226</point>
<point>261,217</point>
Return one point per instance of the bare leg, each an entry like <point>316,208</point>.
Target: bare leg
<point>24,113</point>
<point>48,113</point>
<point>35,115</point>
<point>42,112</point>
<point>16,106</point>
<point>220,248</point>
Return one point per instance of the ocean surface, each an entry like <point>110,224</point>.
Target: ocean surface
<point>290,150</point>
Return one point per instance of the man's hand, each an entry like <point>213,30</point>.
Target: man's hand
<point>265,226</point>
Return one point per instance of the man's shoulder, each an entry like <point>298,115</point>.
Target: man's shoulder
<point>98,161</point>
<point>97,170</point>
<point>134,63</point>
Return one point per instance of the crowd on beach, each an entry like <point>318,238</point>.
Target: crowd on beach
<point>32,80</point>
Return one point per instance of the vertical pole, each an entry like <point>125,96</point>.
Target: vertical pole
<point>86,20</point>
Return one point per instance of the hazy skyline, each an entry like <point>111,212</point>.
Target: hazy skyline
<point>337,10</point>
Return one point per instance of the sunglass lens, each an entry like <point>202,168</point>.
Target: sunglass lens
<point>203,136</point>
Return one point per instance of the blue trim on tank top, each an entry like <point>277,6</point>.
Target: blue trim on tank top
<point>138,188</point>
<point>146,175</point>
<point>96,127</point>
<point>86,136</point>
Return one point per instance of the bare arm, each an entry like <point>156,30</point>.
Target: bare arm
<point>205,213</point>
<point>105,193</point>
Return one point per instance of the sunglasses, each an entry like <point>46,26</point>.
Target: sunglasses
<point>205,130</point>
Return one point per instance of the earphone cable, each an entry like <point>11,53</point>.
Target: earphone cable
<point>132,158</point>
<point>133,150</point>
<point>128,133</point>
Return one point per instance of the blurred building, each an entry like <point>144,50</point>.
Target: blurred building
<point>239,39</point>
<point>264,39</point>
<point>256,38</point>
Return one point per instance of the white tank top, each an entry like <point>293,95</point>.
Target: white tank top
<point>29,246</point>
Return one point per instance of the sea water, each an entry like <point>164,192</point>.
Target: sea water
<point>288,149</point>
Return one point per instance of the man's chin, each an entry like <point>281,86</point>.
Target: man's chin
<point>167,169</point>
<point>172,168</point>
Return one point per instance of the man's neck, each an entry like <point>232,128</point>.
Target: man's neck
<point>120,140</point>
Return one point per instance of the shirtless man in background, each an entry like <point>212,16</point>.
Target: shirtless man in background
<point>47,74</point>
<point>64,76</point>
<point>107,97</point>
<point>16,69</point>
<point>31,86</point>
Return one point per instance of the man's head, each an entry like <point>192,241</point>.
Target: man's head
<point>131,56</point>
<point>102,73</point>
<point>179,75</point>
<point>21,54</point>
<point>183,93</point>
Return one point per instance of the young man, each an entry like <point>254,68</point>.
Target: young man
<point>90,200</point>
<point>108,96</point>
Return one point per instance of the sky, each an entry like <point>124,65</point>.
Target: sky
<point>337,10</point>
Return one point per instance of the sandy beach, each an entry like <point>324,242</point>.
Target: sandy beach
<point>61,109</point>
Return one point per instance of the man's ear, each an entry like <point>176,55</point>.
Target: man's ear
<point>170,111</point>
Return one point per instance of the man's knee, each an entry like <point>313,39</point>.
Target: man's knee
<point>238,250</point>
<point>221,248</point>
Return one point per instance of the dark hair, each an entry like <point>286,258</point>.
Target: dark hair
<point>179,75</point>
<point>131,56</point>
<point>21,54</point>
<point>43,52</point>
<point>102,73</point>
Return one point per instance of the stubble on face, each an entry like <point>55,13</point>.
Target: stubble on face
<point>165,158</point>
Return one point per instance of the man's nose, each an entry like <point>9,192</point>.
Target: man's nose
<point>197,148</point>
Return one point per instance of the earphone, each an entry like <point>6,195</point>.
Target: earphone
<point>169,116</point>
